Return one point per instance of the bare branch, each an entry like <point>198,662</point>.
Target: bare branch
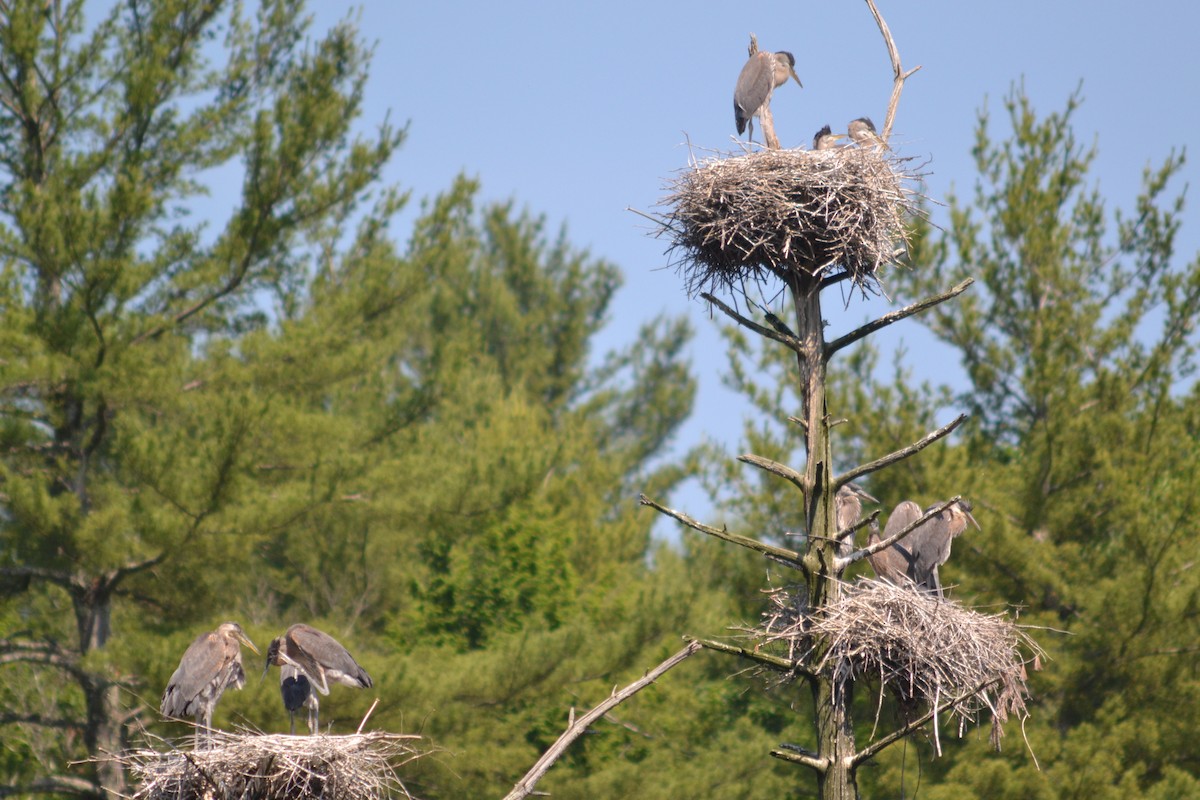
<point>894,316</point>
<point>40,721</point>
<point>799,755</point>
<point>774,662</point>
<point>55,576</point>
<point>525,786</point>
<point>775,468</point>
<point>134,567</point>
<point>898,71</point>
<point>34,652</point>
<point>767,123</point>
<point>791,341</point>
<point>899,455</point>
<point>782,553</point>
<point>76,584</point>
<point>862,523</point>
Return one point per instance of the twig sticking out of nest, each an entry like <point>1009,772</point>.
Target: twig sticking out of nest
<point>275,767</point>
<point>922,649</point>
<point>788,211</point>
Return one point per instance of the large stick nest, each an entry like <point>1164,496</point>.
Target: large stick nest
<point>255,766</point>
<point>923,650</point>
<point>786,213</point>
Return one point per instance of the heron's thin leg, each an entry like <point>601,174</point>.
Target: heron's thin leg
<point>292,720</point>
<point>203,736</point>
<point>314,715</point>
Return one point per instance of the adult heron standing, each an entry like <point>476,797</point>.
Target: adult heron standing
<point>211,664</point>
<point>319,659</point>
<point>758,80</point>
<point>930,544</point>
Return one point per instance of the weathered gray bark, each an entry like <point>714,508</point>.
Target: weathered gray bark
<point>831,694</point>
<point>835,733</point>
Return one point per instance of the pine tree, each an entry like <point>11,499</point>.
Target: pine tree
<point>131,416</point>
<point>290,417</point>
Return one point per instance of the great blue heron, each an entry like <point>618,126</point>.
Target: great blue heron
<point>826,139</point>
<point>761,76</point>
<point>862,132</point>
<point>297,693</point>
<point>211,664</point>
<point>892,563</point>
<point>319,659</point>
<point>930,544</point>
<point>848,504</point>
<point>918,555</point>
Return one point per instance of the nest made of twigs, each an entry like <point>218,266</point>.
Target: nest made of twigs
<point>775,212</point>
<point>924,650</point>
<point>258,766</point>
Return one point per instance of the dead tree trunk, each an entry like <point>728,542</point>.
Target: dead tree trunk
<point>104,734</point>
<point>831,693</point>
<point>798,216</point>
<point>835,733</point>
<point>104,731</point>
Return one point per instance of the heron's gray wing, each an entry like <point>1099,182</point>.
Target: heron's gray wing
<point>883,561</point>
<point>894,563</point>
<point>754,86</point>
<point>305,645</point>
<point>235,675</point>
<point>903,515</point>
<point>929,546</point>
<point>201,664</point>
<point>328,659</point>
<point>937,535</point>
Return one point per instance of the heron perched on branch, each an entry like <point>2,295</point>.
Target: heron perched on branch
<point>758,80</point>
<point>209,666</point>
<point>848,505</point>
<point>316,659</point>
<point>917,556</point>
<point>862,132</point>
<point>826,139</point>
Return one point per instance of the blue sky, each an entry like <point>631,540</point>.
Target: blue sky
<point>581,110</point>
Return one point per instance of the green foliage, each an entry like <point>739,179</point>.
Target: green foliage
<point>1078,343</point>
<point>282,416</point>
